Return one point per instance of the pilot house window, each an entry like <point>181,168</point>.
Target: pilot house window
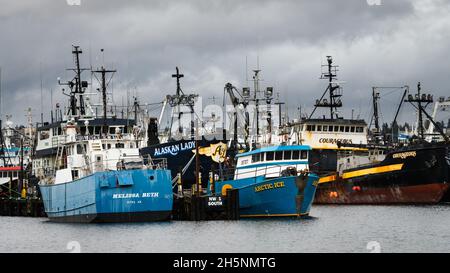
<point>279,155</point>
<point>310,128</point>
<point>304,154</point>
<point>120,145</point>
<point>269,156</point>
<point>79,149</point>
<point>256,157</point>
<point>287,155</point>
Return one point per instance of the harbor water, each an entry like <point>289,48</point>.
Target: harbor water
<point>332,229</point>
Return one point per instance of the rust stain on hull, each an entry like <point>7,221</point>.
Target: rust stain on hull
<point>431,193</point>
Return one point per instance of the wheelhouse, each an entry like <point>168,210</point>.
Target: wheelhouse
<point>272,161</point>
<point>326,133</point>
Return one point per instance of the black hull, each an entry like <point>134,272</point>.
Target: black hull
<point>149,216</point>
<point>431,193</point>
<point>417,175</point>
<point>180,155</point>
<point>446,197</point>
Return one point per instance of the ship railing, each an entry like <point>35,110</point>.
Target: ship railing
<point>271,171</point>
<point>129,163</point>
<point>45,171</point>
<point>126,136</point>
<point>155,163</point>
<point>126,163</point>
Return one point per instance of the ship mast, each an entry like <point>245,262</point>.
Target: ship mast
<point>267,96</point>
<point>181,99</point>
<point>375,99</point>
<point>77,87</point>
<point>377,132</point>
<point>178,76</point>
<point>102,71</point>
<point>423,100</point>
<point>334,90</point>
<point>256,99</point>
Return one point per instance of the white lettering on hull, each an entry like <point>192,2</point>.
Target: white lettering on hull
<point>135,195</point>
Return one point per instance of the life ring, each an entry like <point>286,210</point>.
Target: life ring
<point>225,188</point>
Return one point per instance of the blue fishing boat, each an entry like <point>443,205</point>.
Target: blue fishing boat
<point>112,196</point>
<point>104,179</point>
<point>273,182</point>
<point>96,173</point>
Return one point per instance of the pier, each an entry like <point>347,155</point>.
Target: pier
<point>190,207</point>
<point>29,207</point>
<point>194,207</point>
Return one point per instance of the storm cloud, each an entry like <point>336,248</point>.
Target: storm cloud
<point>397,43</point>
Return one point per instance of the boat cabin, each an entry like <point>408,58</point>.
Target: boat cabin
<point>50,136</point>
<point>326,133</point>
<point>272,161</point>
<point>81,156</point>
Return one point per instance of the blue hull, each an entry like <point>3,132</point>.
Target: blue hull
<point>114,196</point>
<point>260,197</point>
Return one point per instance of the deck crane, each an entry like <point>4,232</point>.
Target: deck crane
<point>443,104</point>
<point>240,114</point>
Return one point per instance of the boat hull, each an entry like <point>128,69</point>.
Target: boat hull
<point>289,196</point>
<point>413,176</point>
<point>130,217</point>
<point>178,154</point>
<point>114,196</point>
<point>419,194</point>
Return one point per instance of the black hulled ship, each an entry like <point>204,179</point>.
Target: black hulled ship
<point>415,173</point>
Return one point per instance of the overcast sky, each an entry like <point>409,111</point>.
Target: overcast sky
<point>399,42</point>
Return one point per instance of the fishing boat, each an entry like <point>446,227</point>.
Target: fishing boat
<point>323,133</point>
<point>418,174</point>
<point>176,143</point>
<point>15,152</point>
<point>415,173</point>
<point>96,173</point>
<point>273,181</point>
<point>104,179</point>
